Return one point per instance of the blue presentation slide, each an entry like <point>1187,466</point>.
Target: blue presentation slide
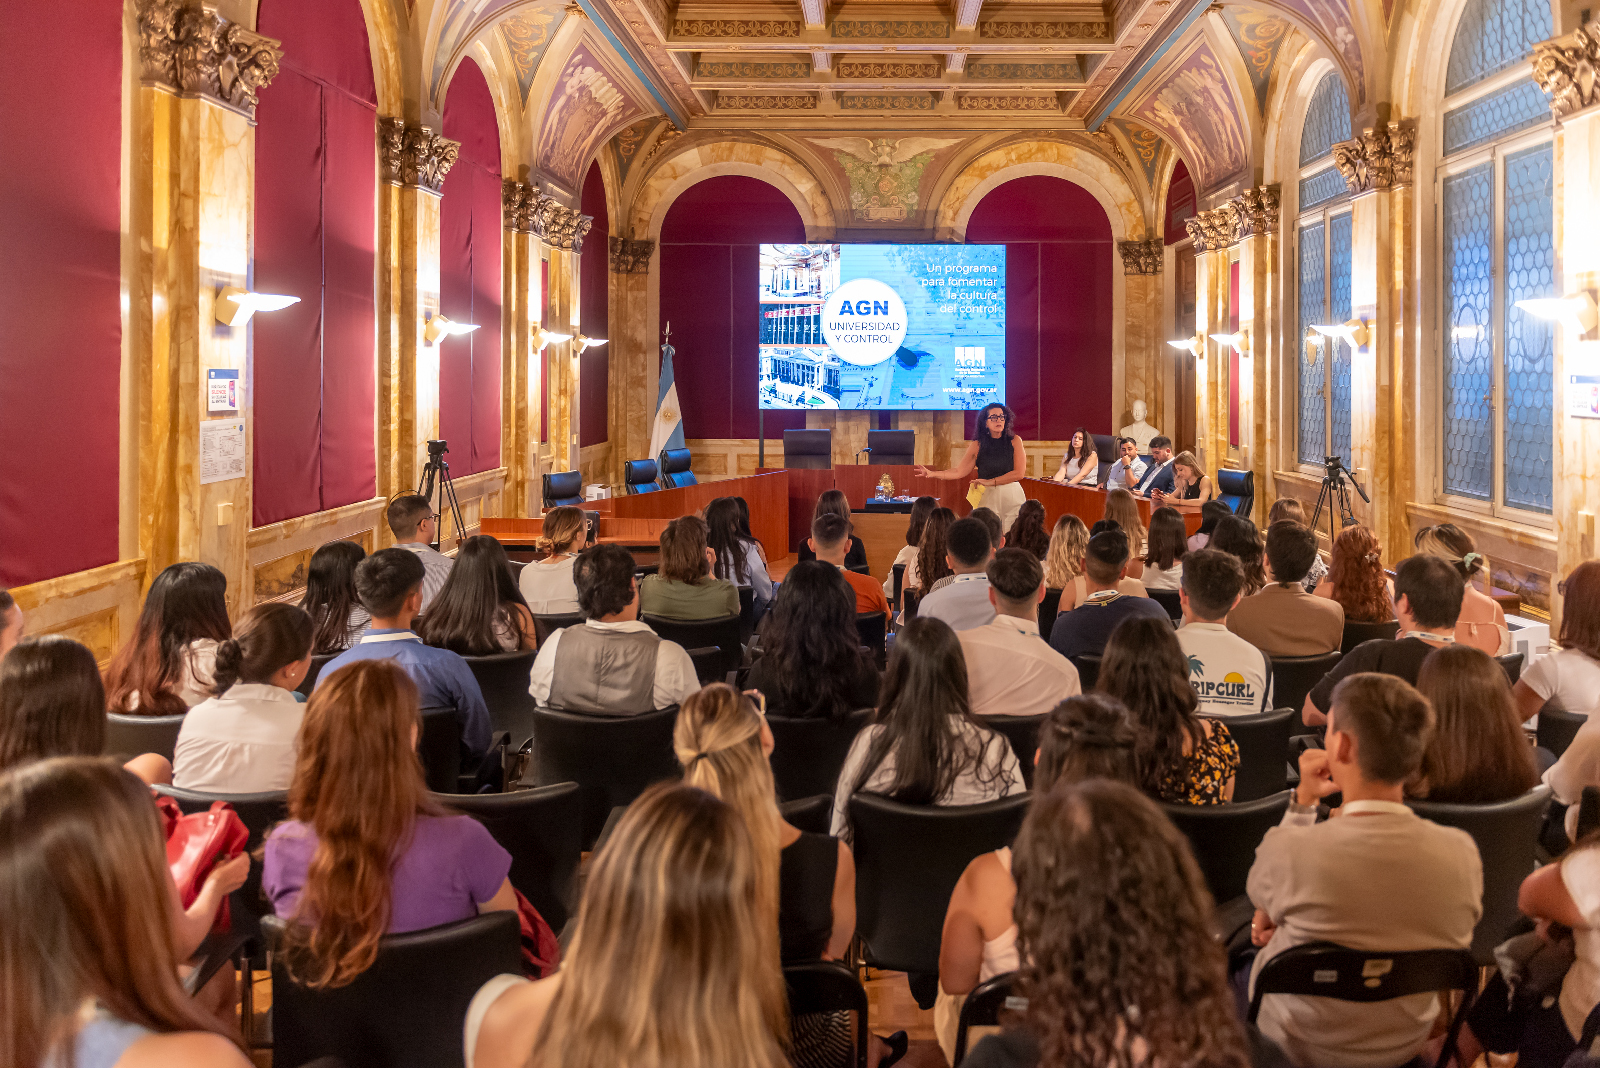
<point>903,327</point>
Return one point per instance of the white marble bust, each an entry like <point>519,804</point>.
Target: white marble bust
<point>1139,430</point>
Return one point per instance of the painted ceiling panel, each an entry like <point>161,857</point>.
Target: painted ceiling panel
<point>1192,106</point>
<point>1146,147</point>
<point>527,33</point>
<point>1259,36</point>
<point>587,109</point>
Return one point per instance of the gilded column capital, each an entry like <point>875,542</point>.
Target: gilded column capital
<point>413,155</point>
<point>1141,257</point>
<point>1255,211</point>
<point>518,200</point>
<point>631,256</point>
<point>193,51</point>
<point>565,227</point>
<point>1379,159</point>
<point>1568,69</point>
<point>1197,231</point>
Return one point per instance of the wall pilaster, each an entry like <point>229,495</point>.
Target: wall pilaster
<point>634,352</point>
<point>519,364</point>
<point>1144,362</point>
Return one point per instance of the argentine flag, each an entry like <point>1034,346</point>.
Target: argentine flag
<point>667,432</point>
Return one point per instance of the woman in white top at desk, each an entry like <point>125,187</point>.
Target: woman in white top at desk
<point>998,457</point>
<point>1164,550</point>
<point>166,669</point>
<point>1482,622</point>
<point>242,741</point>
<point>1569,677</point>
<point>1190,483</point>
<point>547,584</point>
<point>1080,466</point>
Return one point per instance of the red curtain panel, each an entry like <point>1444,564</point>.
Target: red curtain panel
<point>594,367</point>
<point>1180,203</point>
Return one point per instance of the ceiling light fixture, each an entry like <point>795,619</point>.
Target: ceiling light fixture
<point>235,306</point>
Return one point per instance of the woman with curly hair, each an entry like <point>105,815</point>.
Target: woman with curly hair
<point>1239,538</point>
<point>1118,965</point>
<point>1028,531</point>
<point>1356,579</point>
<point>997,456</point>
<point>929,565</point>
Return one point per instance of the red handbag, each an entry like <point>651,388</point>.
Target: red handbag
<point>541,953</point>
<point>197,843</point>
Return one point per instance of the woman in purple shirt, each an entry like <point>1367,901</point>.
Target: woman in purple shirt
<point>367,851</point>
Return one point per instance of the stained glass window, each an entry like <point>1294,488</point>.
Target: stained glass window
<point>1516,107</point>
<point>1492,36</point>
<point>1339,312</point>
<point>1327,120</point>
<point>1469,325</point>
<point>1321,187</point>
<point>1529,271</point>
<point>1313,284</point>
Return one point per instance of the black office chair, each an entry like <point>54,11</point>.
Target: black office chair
<point>504,680</point>
<point>1049,608</point>
<point>720,634</point>
<point>808,753</point>
<point>639,476</point>
<point>892,447</point>
<point>1106,453</point>
<point>898,574</point>
<point>873,629</point>
<point>1512,663</point>
<point>612,758</point>
<point>547,624</point>
<point>1507,836</point>
<point>439,749</point>
<point>1088,665</point>
<point>814,814</point>
<point>1171,600</point>
<point>674,464</point>
<point>131,736</point>
<point>542,829</point>
<point>1237,490</point>
<point>563,487</point>
<point>1263,740</point>
<point>1293,677</point>
<point>407,1010</point>
<point>909,605</point>
<point>1558,727</point>
<point>1322,969</point>
<point>1356,632</point>
<point>826,986</point>
<point>1023,734</point>
<point>309,683</point>
<point>747,612</point>
<point>807,450</point>
<point>982,1009</point>
<point>1224,838</point>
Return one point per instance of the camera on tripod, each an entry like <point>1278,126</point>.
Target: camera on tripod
<point>437,447</point>
<point>1335,496</point>
<point>437,472</point>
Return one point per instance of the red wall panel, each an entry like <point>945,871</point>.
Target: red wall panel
<point>594,366</point>
<point>1180,203</point>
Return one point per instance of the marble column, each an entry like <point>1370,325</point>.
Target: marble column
<point>634,352</point>
<point>519,380</point>
<point>1259,314</point>
<point>563,230</point>
<point>1143,348</point>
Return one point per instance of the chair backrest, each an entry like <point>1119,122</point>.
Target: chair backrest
<point>563,487</point>
<point>1294,676</point>
<point>258,812</point>
<point>1507,835</point>
<point>547,624</point>
<point>808,753</point>
<point>873,629</point>
<point>807,450</point>
<point>908,859</point>
<point>1356,632</point>
<point>542,829</point>
<point>826,986</point>
<point>406,1011</point>
<point>439,749</point>
<point>1088,665</point>
<point>131,736</point>
<point>1557,727</point>
<point>639,476</point>
<point>1512,663</point>
<point>1048,609</point>
<point>982,1009</point>
<point>1171,600</point>
<point>504,679</point>
<point>813,814</point>
<point>1263,740</point>
<point>1237,490</point>
<point>898,572</point>
<point>721,633</point>
<point>674,464</point>
<point>309,683</point>
<point>1023,734</point>
<point>747,612</point>
<point>909,601</point>
<point>611,758</point>
<point>1106,453</point>
<point>892,446</point>
<point>1224,838</point>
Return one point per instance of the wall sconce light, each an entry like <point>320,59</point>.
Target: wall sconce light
<point>585,342</point>
<point>1238,342</point>
<point>1353,331</point>
<point>235,306</point>
<point>439,327</point>
<point>1191,345</point>
<point>1577,310</point>
<point>543,337</point>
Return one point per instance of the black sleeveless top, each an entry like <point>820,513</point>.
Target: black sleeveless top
<point>806,872</point>
<point>996,456</point>
<point>1190,492</point>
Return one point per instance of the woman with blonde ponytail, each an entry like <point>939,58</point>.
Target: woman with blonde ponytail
<point>1482,622</point>
<point>547,584</point>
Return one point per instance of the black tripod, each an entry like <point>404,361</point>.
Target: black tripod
<point>438,468</point>
<point>1335,495</point>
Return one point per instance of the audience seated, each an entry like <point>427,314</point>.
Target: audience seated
<point>1128,928</point>
<point>414,525</point>
<point>1189,481</point>
<point>921,509</point>
<point>1128,469</point>
<point>1482,623</point>
<point>1289,510</point>
<point>1158,474</point>
<point>1123,510</point>
<point>480,610</point>
<point>1063,561</point>
<point>1427,598</point>
<point>1284,619</point>
<point>740,559</point>
<point>1028,530</point>
<point>366,850</point>
<point>89,958</point>
<point>834,501</point>
<point>1380,877</point>
<point>1230,676</point>
<point>684,588</point>
<point>930,559</point>
<point>1240,538</point>
<point>1180,757</point>
<point>1080,466</point>
<point>991,522</point>
<point>547,584</point>
<point>242,741</point>
<point>923,746</point>
<point>167,668</point>
<point>1477,753</point>
<point>613,665</point>
<point>830,537</point>
<point>1011,671</point>
<point>965,602</point>
<point>1211,513</point>
<point>1569,677</point>
<point>811,664</point>
<point>1164,550</point>
<point>670,963</point>
<point>1356,579</point>
<point>11,622</point>
<point>1086,628</point>
<point>331,601</point>
<point>389,583</point>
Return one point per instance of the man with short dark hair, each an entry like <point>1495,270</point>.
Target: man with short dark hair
<point>1128,469</point>
<point>997,540</point>
<point>613,665</point>
<point>1011,671</point>
<point>1230,676</point>
<point>965,602</point>
<point>414,525</point>
<point>1087,628</point>
<point>10,622</point>
<point>389,585</point>
<point>1158,476</point>
<point>1378,878</point>
<point>1284,619</point>
<point>830,540</point>
<point>1427,599</point>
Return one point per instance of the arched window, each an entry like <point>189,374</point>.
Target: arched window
<point>1323,251</point>
<point>1496,248</point>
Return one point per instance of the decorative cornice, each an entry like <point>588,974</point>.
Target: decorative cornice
<point>630,255</point>
<point>888,29</point>
<point>1023,72</point>
<point>971,102</point>
<point>777,70</point>
<point>1045,31</point>
<point>766,102</point>
<point>413,155</point>
<point>1379,159</point>
<point>193,51</point>
<point>1568,69</point>
<point>528,211</point>
<point>1255,211</point>
<point>736,28</point>
<point>896,70</point>
<point>1141,257</point>
<point>885,102</point>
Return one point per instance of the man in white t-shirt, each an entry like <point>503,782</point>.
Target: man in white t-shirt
<point>1230,676</point>
<point>965,602</point>
<point>1011,671</point>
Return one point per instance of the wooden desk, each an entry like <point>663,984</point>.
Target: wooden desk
<point>859,482</point>
<point>883,535</point>
<point>1088,505</point>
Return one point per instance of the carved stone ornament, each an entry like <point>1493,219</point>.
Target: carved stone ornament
<point>564,227</point>
<point>518,199</point>
<point>1256,211</point>
<point>1197,231</point>
<point>1141,257</point>
<point>1568,68</point>
<point>193,51</point>
<point>414,155</point>
<point>1379,159</point>
<point>631,256</point>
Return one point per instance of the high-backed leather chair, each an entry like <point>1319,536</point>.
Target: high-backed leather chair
<point>807,450</point>
<point>1237,490</point>
<point>639,476</point>
<point>892,446</point>
<point>563,487</point>
<point>1105,452</point>
<point>674,464</point>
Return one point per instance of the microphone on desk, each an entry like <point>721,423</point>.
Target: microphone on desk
<point>864,448</point>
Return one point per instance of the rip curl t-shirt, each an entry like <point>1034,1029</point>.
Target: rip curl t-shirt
<point>1229,675</point>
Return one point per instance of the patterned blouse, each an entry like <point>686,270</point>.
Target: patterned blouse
<point>1205,771</point>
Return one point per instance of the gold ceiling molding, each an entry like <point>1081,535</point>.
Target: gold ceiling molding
<point>631,255</point>
<point>774,70</point>
<point>766,102</point>
<point>1255,211</point>
<point>1025,72</point>
<point>975,102</point>
<point>1045,31</point>
<point>885,102</point>
<point>736,28</point>
<point>1141,257</point>
<point>1378,159</point>
<point>194,51</point>
<point>905,69</point>
<point>410,154</point>
<point>880,30</point>
<point>1568,69</point>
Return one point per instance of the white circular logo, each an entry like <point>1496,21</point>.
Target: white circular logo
<point>864,321</point>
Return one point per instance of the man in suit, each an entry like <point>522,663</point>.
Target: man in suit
<point>1159,474</point>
